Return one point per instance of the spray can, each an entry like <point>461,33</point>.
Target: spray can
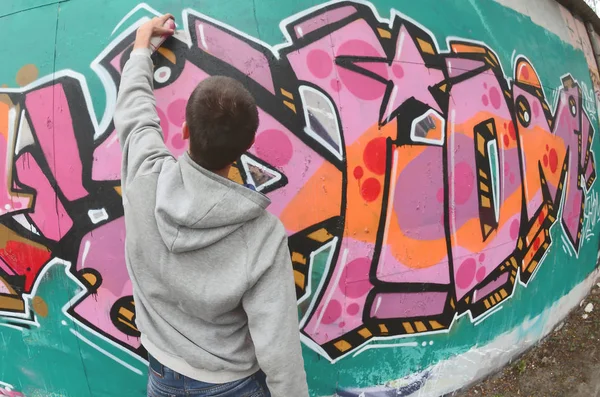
<point>156,41</point>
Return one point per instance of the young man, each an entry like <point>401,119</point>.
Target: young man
<point>210,267</point>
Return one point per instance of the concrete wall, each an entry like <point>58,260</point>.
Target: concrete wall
<point>433,163</point>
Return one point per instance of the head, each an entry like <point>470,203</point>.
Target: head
<point>221,119</point>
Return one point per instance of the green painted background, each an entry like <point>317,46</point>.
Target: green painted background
<point>50,361</point>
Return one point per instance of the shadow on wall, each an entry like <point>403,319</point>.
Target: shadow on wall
<point>437,176</point>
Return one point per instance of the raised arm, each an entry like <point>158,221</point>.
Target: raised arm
<point>136,119</point>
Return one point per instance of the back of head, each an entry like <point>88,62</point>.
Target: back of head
<point>222,118</point>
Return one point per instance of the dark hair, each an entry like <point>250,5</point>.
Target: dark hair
<point>222,118</point>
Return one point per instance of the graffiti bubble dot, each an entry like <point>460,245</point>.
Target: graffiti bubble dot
<point>397,70</point>
<point>463,182</point>
<point>547,147</point>
<point>176,112</point>
<point>358,172</point>
<point>359,85</point>
<point>336,85</point>
<point>495,99</point>
<point>466,273</point>
<point>162,74</point>
<point>353,309</point>
<point>332,312</point>
<point>485,100</point>
<point>342,324</point>
<point>319,63</point>
<point>355,279</point>
<point>506,140</point>
<point>7,207</point>
<point>374,155</point>
<point>481,257</point>
<point>424,344</point>
<point>63,322</point>
<point>274,147</point>
<point>536,109</point>
<point>545,160</point>
<point>430,343</point>
<point>526,117</point>
<point>481,273</point>
<point>514,229</point>
<point>511,131</point>
<point>536,244</point>
<point>553,160</point>
<point>40,307</point>
<point>440,195</point>
<point>27,74</point>
<point>370,189</point>
<point>178,142</point>
<point>542,216</point>
<point>164,123</point>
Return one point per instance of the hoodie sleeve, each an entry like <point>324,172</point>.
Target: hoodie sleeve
<point>270,305</point>
<point>136,119</point>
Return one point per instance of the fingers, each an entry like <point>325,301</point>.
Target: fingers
<point>163,31</point>
<point>165,17</point>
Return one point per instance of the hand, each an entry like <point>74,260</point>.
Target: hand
<point>153,27</point>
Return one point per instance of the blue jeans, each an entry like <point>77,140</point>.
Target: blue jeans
<point>164,382</point>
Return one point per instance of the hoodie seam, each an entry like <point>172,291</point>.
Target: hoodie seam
<point>137,176</point>
<point>175,239</point>
<point>155,173</point>
<point>207,212</point>
<point>260,200</point>
<point>195,223</point>
<point>246,267</point>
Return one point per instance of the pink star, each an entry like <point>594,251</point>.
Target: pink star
<point>405,75</point>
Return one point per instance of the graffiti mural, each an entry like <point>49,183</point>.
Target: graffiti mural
<point>7,390</point>
<point>430,178</point>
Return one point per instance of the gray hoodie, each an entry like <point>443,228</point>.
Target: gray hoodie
<point>210,267</point>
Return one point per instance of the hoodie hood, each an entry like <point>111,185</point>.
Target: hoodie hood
<point>196,208</point>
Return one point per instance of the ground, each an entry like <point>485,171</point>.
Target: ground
<point>565,364</point>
